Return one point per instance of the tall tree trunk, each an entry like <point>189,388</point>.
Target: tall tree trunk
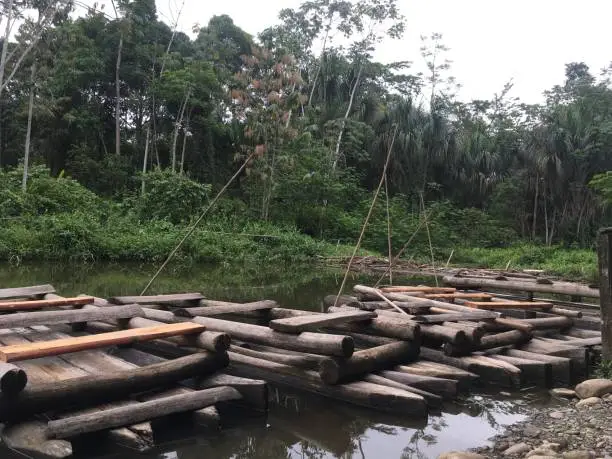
<point>118,98</point>
<point>346,115</point>
<point>179,122</point>
<point>535,207</point>
<point>26,157</point>
<point>145,161</point>
<point>7,32</point>
<point>185,131</point>
<point>545,218</point>
<point>316,79</point>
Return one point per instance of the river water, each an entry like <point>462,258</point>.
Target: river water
<point>298,425</point>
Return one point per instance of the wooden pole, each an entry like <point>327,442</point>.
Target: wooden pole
<point>107,387</point>
<point>604,255</point>
<point>314,343</point>
<point>334,371</point>
<point>121,416</point>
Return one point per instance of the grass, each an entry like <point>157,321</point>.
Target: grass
<point>604,369</point>
<point>570,264</point>
<point>79,237</point>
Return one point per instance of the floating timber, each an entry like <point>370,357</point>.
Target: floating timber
<point>112,366</point>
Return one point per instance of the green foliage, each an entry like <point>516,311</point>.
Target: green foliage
<point>171,196</point>
<point>602,183</point>
<point>45,194</point>
<point>604,369</point>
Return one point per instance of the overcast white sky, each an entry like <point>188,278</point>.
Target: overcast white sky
<point>491,41</point>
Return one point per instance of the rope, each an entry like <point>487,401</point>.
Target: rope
<point>367,219</point>
<point>197,222</point>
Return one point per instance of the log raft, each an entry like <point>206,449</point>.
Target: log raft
<point>395,349</point>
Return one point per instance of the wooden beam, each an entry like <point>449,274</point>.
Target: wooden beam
<point>314,322</point>
<point>39,304</point>
<point>228,308</point>
<point>462,295</point>
<point>508,305</point>
<point>439,318</point>
<point>173,299</point>
<point>87,314</point>
<point>108,386</point>
<point>422,289</point>
<point>34,291</point>
<point>121,416</point>
<point>563,288</point>
<point>63,346</point>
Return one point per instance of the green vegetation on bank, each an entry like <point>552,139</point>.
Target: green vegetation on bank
<point>59,219</point>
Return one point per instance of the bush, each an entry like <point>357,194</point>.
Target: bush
<point>172,197</point>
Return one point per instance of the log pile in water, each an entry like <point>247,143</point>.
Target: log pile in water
<point>397,349</point>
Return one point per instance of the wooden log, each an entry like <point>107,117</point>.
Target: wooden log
<point>565,312</point>
<point>304,361</point>
<point>101,388</point>
<point>398,327</point>
<point>578,356</point>
<point>389,327</point>
<point>121,416</point>
<point>560,367</point>
<point>407,289</point>
<point>208,340</point>
<point>9,306</point>
<point>361,393</point>
<point>474,333</point>
<point>138,437</point>
<point>557,287</point>
<point>315,343</point>
<point>433,400</point>
<point>461,295</point>
<point>173,299</point>
<point>496,305</point>
<point>63,346</point>
<point>88,313</point>
<point>488,370</point>
<point>550,322</point>
<point>227,308</point>
<point>440,318</point>
<point>12,379</point>
<point>34,291</point>
<point>437,370</point>
<point>332,300</point>
<point>446,388</point>
<point>410,308</point>
<point>314,322</point>
<point>533,372</point>
<point>334,371</point>
<point>514,324</point>
<point>580,333</point>
<point>514,337</point>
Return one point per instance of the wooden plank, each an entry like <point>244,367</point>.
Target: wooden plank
<point>90,313</point>
<point>462,295</point>
<point>564,288</point>
<point>229,308</point>
<point>508,304</point>
<point>39,304</point>
<point>158,299</point>
<point>313,322</point>
<point>121,416</point>
<point>25,292</point>
<point>63,346</point>
<point>439,318</point>
<point>422,289</point>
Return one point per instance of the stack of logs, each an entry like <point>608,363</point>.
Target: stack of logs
<point>394,349</point>
<point>397,349</point>
<point>57,382</point>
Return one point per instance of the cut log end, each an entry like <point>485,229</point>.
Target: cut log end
<point>13,381</point>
